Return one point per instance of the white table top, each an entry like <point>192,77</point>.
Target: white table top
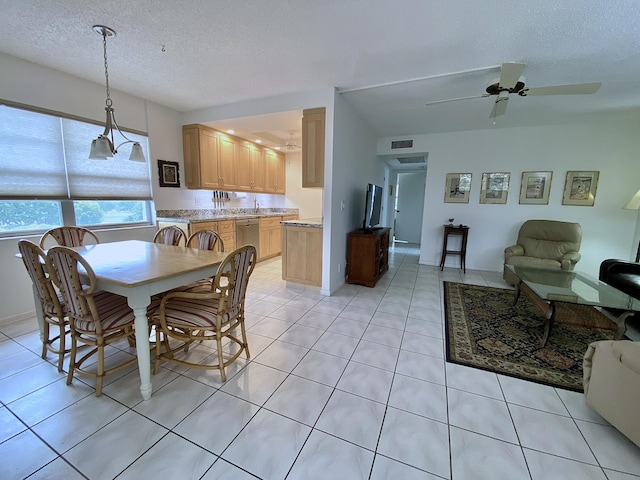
<point>132,263</point>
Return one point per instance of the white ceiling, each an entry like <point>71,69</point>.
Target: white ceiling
<point>226,51</point>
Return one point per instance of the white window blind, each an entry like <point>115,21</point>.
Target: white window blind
<point>44,157</point>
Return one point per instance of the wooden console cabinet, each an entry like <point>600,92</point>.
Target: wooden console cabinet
<point>367,256</point>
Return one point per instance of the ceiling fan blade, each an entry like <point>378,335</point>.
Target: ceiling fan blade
<point>456,99</point>
<point>499,107</point>
<point>510,74</point>
<point>577,89</point>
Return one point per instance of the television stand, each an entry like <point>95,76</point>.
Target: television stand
<point>367,255</point>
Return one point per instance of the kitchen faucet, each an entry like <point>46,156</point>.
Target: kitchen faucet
<point>256,205</point>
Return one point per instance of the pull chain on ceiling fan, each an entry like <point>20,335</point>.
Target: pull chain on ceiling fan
<point>511,82</point>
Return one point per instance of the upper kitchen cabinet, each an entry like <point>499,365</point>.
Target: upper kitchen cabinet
<point>251,167</point>
<point>275,172</point>
<point>210,159</point>
<point>313,129</point>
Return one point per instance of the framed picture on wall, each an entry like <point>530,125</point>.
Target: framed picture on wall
<point>169,173</point>
<point>580,188</point>
<point>457,187</point>
<point>494,187</point>
<point>535,187</point>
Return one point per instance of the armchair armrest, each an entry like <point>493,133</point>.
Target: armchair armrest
<point>513,250</point>
<point>568,260</point>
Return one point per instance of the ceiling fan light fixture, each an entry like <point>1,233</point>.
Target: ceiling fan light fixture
<point>104,147</point>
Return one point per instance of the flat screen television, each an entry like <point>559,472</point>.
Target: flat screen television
<point>373,207</point>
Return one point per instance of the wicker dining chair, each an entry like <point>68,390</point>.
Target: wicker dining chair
<point>51,303</point>
<point>96,318</point>
<point>69,236</point>
<point>212,315</point>
<point>170,235</point>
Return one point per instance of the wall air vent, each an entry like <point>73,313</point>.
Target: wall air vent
<point>401,144</point>
<point>409,160</point>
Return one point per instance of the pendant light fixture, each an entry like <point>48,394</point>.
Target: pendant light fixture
<point>104,146</point>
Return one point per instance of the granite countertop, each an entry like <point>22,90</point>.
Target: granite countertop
<point>197,216</point>
<point>305,222</point>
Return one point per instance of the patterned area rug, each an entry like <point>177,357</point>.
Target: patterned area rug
<point>485,331</point>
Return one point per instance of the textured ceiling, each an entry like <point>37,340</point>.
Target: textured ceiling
<point>226,51</point>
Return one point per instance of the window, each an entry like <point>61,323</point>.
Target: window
<point>47,180</point>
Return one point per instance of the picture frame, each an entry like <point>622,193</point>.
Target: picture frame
<point>494,187</point>
<point>580,188</point>
<point>535,188</point>
<point>457,188</point>
<point>169,173</point>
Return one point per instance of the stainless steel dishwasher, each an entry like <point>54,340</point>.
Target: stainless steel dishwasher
<point>248,233</point>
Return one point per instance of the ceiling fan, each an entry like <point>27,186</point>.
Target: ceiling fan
<point>511,82</point>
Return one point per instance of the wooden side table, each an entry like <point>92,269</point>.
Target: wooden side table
<point>461,230</point>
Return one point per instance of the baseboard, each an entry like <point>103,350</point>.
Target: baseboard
<point>17,318</point>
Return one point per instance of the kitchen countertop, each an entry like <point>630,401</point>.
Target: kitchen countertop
<point>306,222</point>
<point>198,216</point>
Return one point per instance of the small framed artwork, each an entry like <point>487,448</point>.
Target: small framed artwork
<point>535,187</point>
<point>169,173</point>
<point>457,187</point>
<point>580,188</point>
<point>494,187</point>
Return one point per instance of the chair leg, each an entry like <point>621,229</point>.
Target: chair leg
<point>245,343</point>
<point>61,346</point>
<point>100,372</point>
<point>223,375</point>
<point>72,358</point>
<point>45,338</point>
<point>156,363</point>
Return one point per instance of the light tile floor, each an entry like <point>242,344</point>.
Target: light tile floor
<point>352,386</point>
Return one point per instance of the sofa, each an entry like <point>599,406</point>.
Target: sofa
<point>546,244</point>
<point>611,381</point>
<point>621,274</point>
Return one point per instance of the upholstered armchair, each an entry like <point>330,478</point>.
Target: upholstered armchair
<point>546,244</point>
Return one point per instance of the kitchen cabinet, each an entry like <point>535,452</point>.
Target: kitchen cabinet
<point>251,166</point>
<point>210,158</point>
<point>274,172</point>
<point>270,237</point>
<point>302,254</point>
<point>196,227</point>
<point>313,133</point>
<point>227,231</point>
<point>200,150</point>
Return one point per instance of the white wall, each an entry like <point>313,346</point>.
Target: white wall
<point>307,200</point>
<point>608,144</point>
<point>354,165</point>
<point>32,84</point>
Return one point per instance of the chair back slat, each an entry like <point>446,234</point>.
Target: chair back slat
<point>35,261</point>
<point>170,235</point>
<point>68,236</point>
<point>236,269</point>
<point>76,294</point>
<point>205,240</point>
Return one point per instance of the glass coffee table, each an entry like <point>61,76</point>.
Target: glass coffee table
<point>547,287</point>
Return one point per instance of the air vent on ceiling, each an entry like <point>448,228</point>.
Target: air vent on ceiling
<point>401,144</point>
<point>409,160</point>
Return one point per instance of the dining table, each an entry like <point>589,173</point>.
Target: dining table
<point>138,270</point>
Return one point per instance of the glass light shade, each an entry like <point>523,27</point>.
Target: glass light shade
<point>634,203</point>
<point>100,149</point>
<point>137,155</point>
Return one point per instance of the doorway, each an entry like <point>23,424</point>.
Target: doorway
<point>409,206</point>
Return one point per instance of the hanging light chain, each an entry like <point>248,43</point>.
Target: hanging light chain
<point>106,67</point>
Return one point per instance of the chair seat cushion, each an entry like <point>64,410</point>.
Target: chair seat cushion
<point>534,262</point>
<point>113,310</point>
<point>50,309</point>
<point>196,312</point>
